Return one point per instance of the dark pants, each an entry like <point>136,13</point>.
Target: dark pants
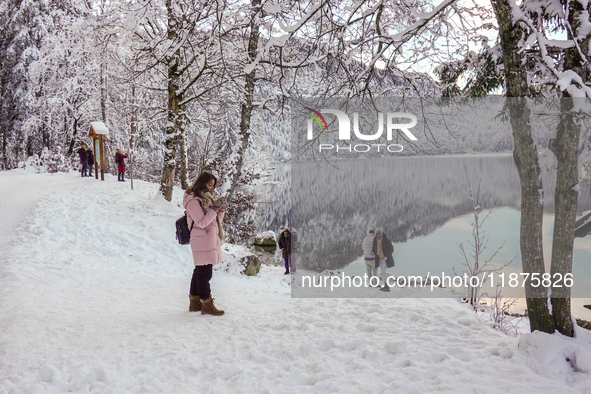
<point>200,281</point>
<point>90,169</point>
<point>289,263</point>
<point>84,167</point>
<point>121,176</point>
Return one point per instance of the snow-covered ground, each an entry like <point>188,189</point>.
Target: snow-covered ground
<point>93,298</point>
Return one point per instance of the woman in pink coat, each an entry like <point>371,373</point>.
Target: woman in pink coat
<point>204,217</point>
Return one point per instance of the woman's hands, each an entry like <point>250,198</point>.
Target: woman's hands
<point>224,202</point>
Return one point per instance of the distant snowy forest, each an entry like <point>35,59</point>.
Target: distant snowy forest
<point>175,76</point>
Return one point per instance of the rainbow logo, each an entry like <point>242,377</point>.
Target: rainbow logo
<point>316,118</point>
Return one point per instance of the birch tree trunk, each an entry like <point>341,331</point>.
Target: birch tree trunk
<point>182,145</point>
<point>246,109</point>
<point>132,132</point>
<point>526,161</point>
<point>103,95</point>
<point>171,137</point>
<point>106,139</point>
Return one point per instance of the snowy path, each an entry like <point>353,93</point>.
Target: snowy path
<point>94,299</point>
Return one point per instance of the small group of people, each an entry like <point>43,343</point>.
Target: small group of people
<point>377,251</point>
<point>286,240</point>
<point>86,159</point>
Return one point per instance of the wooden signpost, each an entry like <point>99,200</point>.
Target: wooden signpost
<point>96,132</point>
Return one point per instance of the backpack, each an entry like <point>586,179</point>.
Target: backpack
<point>183,232</point>
<point>117,160</point>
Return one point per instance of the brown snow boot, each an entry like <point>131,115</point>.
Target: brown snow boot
<point>209,308</point>
<point>195,303</point>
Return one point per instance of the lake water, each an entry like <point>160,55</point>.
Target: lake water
<point>424,207</point>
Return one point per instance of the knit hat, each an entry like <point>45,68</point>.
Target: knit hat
<point>379,231</point>
<point>83,146</point>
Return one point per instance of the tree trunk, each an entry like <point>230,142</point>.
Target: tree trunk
<point>170,143</point>
<point>132,131</point>
<point>106,142</point>
<point>44,137</point>
<point>532,214</point>
<point>526,161</point>
<point>566,149</point>
<point>29,147</point>
<point>182,146</point>
<point>44,132</point>
<point>103,95</point>
<point>246,110</point>
<point>74,132</point>
<point>4,150</point>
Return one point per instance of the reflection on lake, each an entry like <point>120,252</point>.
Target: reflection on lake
<point>409,198</point>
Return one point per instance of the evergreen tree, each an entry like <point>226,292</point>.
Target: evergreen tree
<point>23,25</point>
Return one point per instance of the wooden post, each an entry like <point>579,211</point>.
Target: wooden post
<point>97,130</point>
<point>94,148</point>
<point>102,157</point>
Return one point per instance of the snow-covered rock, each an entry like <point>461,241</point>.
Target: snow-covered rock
<point>237,260</point>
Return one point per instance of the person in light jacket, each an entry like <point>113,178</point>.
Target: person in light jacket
<point>367,245</point>
<point>382,250</point>
<point>204,217</point>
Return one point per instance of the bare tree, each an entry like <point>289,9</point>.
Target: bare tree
<point>474,260</point>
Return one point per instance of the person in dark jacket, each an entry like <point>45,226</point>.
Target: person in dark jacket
<point>285,246</point>
<point>121,165</point>
<point>90,161</point>
<point>382,250</point>
<point>83,159</point>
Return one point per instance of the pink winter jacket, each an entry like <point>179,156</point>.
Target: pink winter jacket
<point>205,241</point>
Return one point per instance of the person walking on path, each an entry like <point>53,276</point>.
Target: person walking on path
<point>204,218</point>
<point>286,250</point>
<point>120,159</point>
<point>382,250</point>
<point>90,161</point>
<point>83,159</point>
<point>370,260</point>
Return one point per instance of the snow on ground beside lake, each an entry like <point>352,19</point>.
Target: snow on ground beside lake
<point>94,299</point>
